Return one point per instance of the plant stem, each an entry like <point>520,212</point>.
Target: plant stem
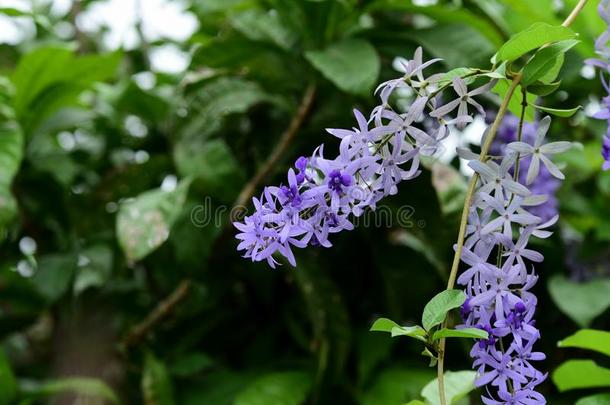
<point>470,194</point>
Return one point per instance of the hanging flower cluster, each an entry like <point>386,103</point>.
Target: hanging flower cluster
<point>603,63</point>
<point>545,183</point>
<point>500,273</point>
<point>322,194</point>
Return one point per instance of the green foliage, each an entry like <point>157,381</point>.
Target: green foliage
<point>82,386</point>
<point>582,302</point>
<point>599,399</point>
<point>457,385</point>
<point>436,310</point>
<point>8,383</point>
<point>282,388</point>
<point>589,339</point>
<point>578,374</point>
<point>352,65</point>
<point>474,333</point>
<point>532,38</point>
<point>156,383</point>
<point>11,153</point>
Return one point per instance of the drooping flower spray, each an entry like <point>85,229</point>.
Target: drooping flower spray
<point>603,63</point>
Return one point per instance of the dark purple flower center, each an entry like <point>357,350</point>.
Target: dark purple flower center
<point>336,181</point>
<point>292,195</point>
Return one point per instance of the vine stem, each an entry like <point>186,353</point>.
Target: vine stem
<point>464,222</point>
<point>470,194</point>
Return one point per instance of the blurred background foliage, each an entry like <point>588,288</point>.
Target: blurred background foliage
<point>114,287</point>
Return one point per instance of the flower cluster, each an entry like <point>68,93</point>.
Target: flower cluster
<point>603,63</point>
<point>322,194</point>
<point>500,273</point>
<point>545,183</point>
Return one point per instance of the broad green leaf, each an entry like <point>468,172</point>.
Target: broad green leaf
<point>582,302</point>
<point>416,332</point>
<point>11,154</point>
<point>211,161</point>
<point>81,386</point>
<point>598,399</point>
<point>384,325</point>
<point>190,363</point>
<point>466,48</point>
<point>395,386</point>
<point>544,60</point>
<point>578,374</point>
<point>457,385</point>
<point>558,112</point>
<point>436,310</point>
<point>474,333</point>
<point>543,89</point>
<point>280,388</point>
<point>534,37</point>
<point>156,383</point>
<point>218,388</point>
<point>54,275</point>
<point>352,65</point>
<point>144,223</point>
<point>590,339</point>
<point>261,25</point>
<point>8,383</point>
<point>415,402</point>
<point>49,78</point>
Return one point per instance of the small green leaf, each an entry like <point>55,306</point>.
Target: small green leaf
<point>577,374</point>
<point>543,89</point>
<point>515,102</point>
<point>280,388</point>
<point>457,385</point>
<point>353,65</point>
<point>544,60</point>
<point>436,310</point>
<point>384,325</point>
<point>83,386</point>
<point>531,38</point>
<point>582,302</point>
<point>558,112</point>
<point>54,275</point>
<point>598,399</point>
<point>416,332</point>
<point>415,402</point>
<point>474,333</point>
<point>144,223</point>
<point>590,339</point>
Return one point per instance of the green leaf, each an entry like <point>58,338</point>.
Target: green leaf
<point>261,25</point>
<point>156,383</point>
<point>384,325</point>
<point>396,385</point>
<point>82,386</point>
<point>416,332</point>
<point>581,302</point>
<point>11,154</point>
<point>544,60</point>
<point>578,374</point>
<point>474,333</point>
<point>558,112</point>
<point>190,363</point>
<point>590,339</point>
<point>54,275</point>
<point>457,385</point>
<point>144,223</point>
<point>8,383</point>
<point>598,399</point>
<point>532,38</point>
<point>415,402</point>
<point>352,65</point>
<point>49,78</point>
<point>211,161</point>
<point>436,310</point>
<point>280,388</point>
<point>543,89</point>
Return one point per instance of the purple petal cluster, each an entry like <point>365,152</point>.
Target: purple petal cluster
<point>499,271</point>
<point>603,63</point>
<point>322,195</point>
<point>545,183</point>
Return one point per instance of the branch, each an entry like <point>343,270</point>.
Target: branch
<point>285,141</point>
<point>157,315</point>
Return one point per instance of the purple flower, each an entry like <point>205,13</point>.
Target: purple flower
<point>603,63</point>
